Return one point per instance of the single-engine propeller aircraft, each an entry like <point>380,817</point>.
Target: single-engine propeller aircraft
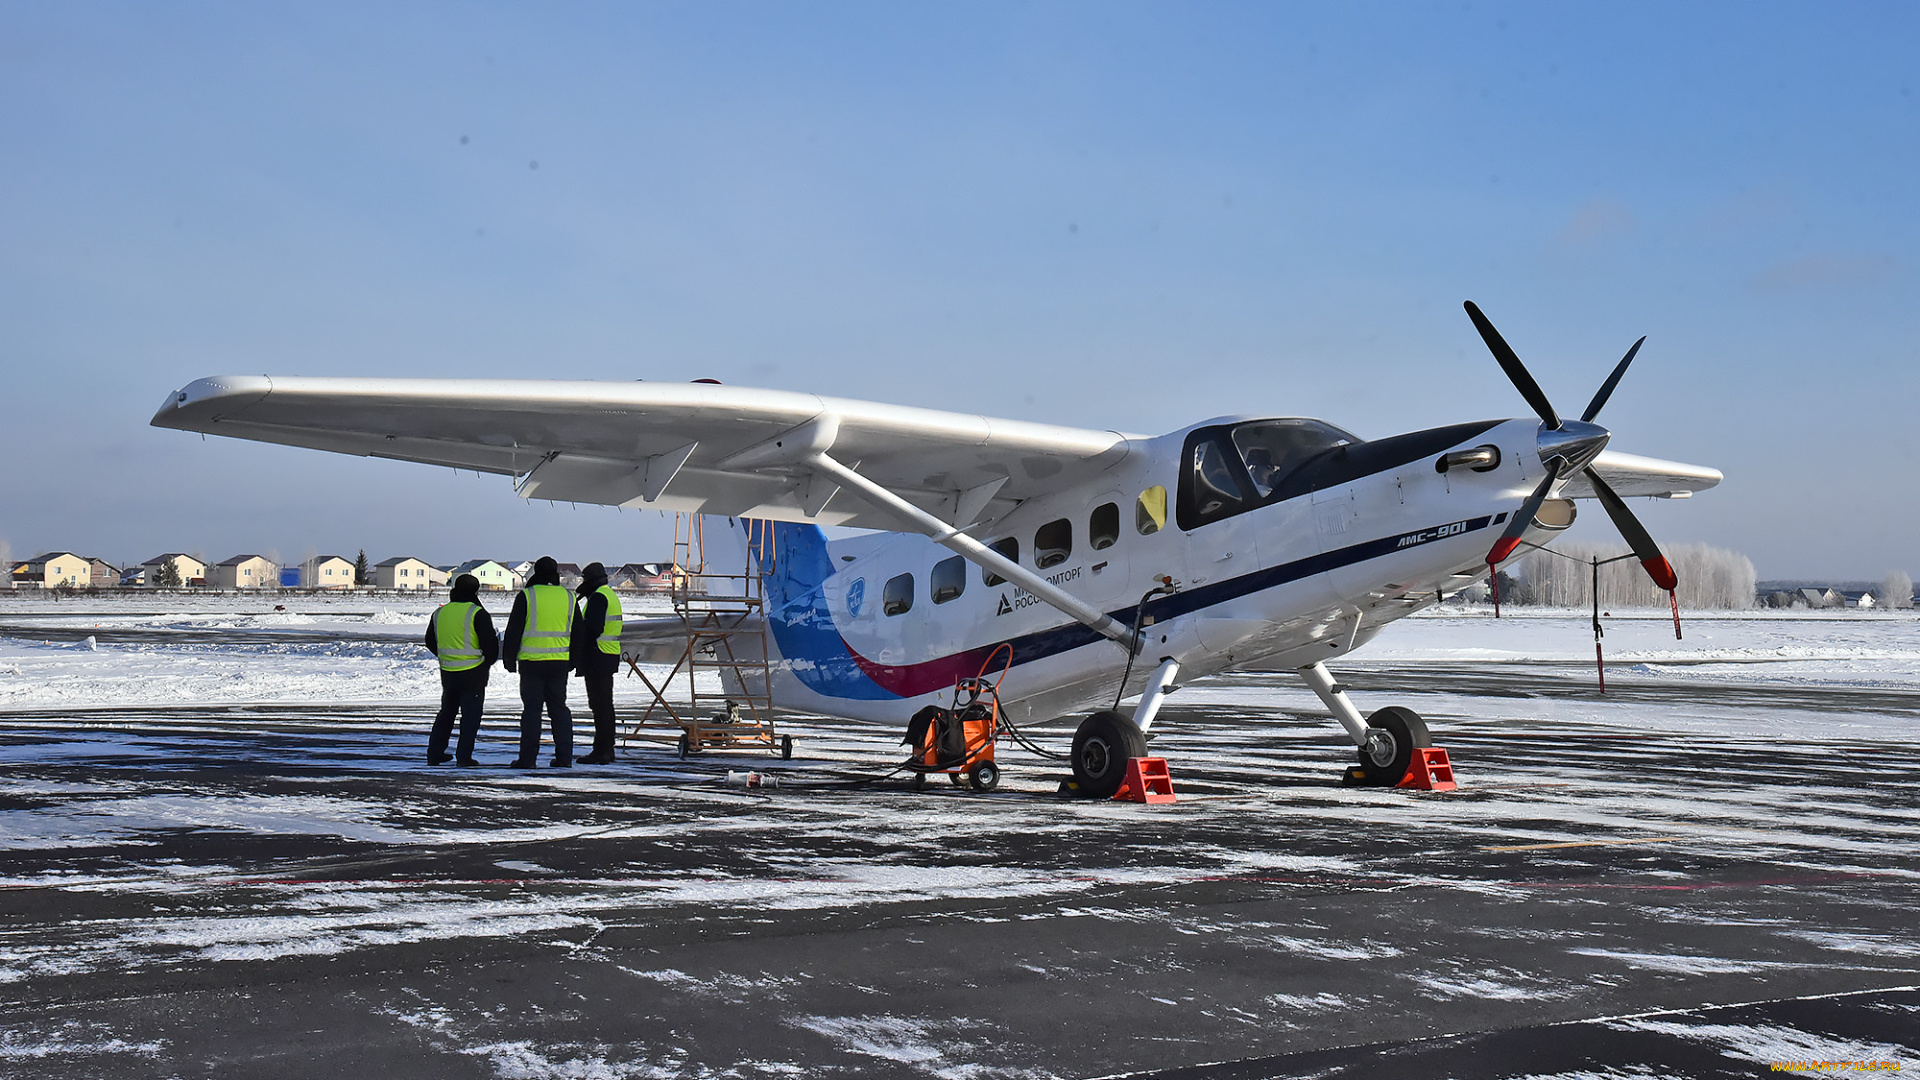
<point>1089,561</point>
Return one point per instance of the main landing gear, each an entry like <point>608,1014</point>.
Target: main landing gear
<point>1101,748</point>
<point>1387,740</point>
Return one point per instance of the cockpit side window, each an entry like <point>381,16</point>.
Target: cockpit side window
<point>1274,449</point>
<point>1212,485</point>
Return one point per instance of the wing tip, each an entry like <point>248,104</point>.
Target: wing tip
<point>204,401</point>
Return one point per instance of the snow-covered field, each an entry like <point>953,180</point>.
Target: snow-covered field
<point>174,650</point>
<point>226,650</point>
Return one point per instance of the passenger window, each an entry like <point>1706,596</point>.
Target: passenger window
<point>1150,513</point>
<point>1010,549</point>
<point>1052,543</point>
<point>1103,526</point>
<point>897,598</point>
<point>949,579</point>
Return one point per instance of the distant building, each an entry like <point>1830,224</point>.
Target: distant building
<point>644,577</point>
<point>133,576</point>
<point>491,574</point>
<point>187,569</point>
<point>53,570</point>
<point>404,572</point>
<point>1866,601</point>
<point>244,572</point>
<point>102,573</point>
<point>326,572</point>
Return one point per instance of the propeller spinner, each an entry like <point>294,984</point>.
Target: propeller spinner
<point>1568,446</point>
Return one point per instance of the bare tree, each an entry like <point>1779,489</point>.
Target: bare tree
<point>1710,578</point>
<point>1896,591</point>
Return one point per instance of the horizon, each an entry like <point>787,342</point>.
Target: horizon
<point>1125,217</point>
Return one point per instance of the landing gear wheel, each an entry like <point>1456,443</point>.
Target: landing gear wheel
<point>1388,754</point>
<point>683,747</point>
<point>1101,748</point>
<point>984,776</point>
<point>786,748</point>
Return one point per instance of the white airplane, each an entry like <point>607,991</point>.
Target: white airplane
<point>1097,565</point>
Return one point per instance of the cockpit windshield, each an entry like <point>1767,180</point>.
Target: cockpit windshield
<point>1274,449</point>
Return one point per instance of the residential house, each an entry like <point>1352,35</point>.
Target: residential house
<point>326,572</point>
<point>569,573</point>
<point>133,576</point>
<point>644,577</point>
<point>103,574</point>
<point>491,574</point>
<point>404,572</point>
<point>244,572</point>
<point>53,570</point>
<point>187,570</point>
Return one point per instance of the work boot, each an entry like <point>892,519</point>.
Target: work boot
<point>439,759</point>
<point>598,757</point>
<point>523,763</point>
<point>466,762</point>
<point>561,763</point>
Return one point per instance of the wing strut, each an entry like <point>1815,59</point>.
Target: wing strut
<point>953,539</point>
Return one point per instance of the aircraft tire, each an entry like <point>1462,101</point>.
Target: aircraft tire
<point>984,776</point>
<point>1408,731</point>
<point>1101,748</point>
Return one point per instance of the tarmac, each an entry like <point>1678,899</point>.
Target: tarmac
<point>291,891</point>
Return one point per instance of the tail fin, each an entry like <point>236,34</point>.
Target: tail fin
<point>793,561</point>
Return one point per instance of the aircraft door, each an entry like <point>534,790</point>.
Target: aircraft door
<point>1214,497</point>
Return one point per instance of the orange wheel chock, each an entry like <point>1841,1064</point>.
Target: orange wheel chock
<point>1430,770</point>
<point>1147,781</point>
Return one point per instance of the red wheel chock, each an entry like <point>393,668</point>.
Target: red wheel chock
<point>1430,770</point>
<point>1147,781</point>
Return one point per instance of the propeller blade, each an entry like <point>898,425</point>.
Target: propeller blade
<point>1658,568</point>
<point>1516,371</point>
<point>1510,539</point>
<point>1613,380</point>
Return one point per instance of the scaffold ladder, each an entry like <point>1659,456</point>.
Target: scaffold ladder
<point>724,615</point>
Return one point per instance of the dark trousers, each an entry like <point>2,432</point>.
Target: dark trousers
<point>464,692</point>
<point>600,700</point>
<point>544,683</point>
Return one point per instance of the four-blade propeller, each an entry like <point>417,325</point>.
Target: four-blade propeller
<point>1636,535</point>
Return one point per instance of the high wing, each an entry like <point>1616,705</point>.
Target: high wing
<point>1631,474</point>
<point>698,447</point>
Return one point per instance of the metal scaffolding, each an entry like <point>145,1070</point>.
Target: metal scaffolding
<point>724,614</point>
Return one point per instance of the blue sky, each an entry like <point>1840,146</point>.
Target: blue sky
<point>1110,215</point>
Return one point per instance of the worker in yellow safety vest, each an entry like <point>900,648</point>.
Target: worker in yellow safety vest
<point>461,634</point>
<point>538,638</point>
<point>596,656</point>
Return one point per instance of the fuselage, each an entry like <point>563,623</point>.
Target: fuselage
<point>1279,541</point>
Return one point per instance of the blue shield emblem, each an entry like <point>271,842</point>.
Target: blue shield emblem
<point>856,596</point>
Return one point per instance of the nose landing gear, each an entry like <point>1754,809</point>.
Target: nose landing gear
<point>1388,740</point>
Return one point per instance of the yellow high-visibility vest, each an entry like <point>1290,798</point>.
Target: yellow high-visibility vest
<point>457,645</point>
<point>609,639</point>
<point>549,623</point>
